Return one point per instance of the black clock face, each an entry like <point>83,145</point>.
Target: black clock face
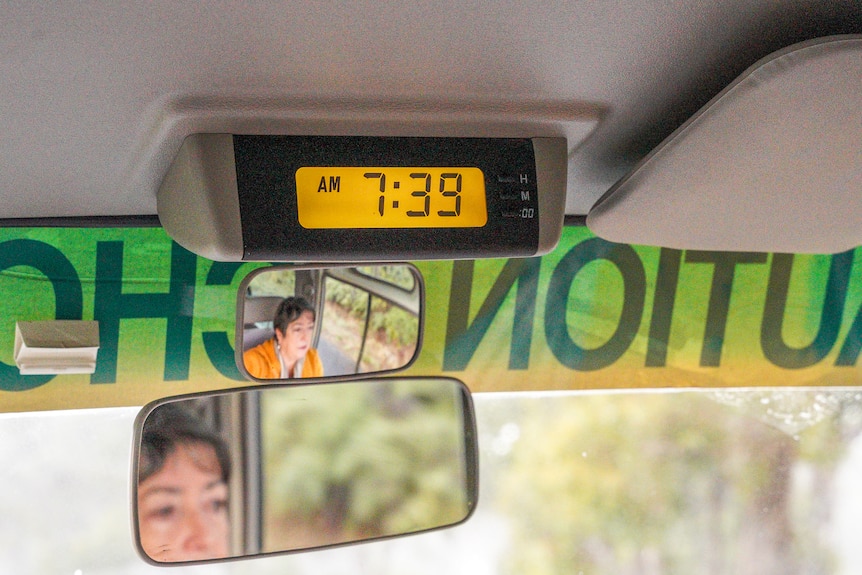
<point>426,197</point>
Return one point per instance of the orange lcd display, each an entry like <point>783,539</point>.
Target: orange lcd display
<point>391,197</point>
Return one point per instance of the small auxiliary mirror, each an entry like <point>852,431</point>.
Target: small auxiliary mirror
<point>312,322</point>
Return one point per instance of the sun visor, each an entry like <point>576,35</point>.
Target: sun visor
<point>771,164</point>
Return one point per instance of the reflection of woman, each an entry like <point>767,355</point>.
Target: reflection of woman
<point>289,353</point>
<point>182,488</point>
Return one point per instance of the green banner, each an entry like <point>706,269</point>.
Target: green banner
<point>590,315</point>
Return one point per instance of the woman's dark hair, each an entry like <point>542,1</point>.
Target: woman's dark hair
<point>170,425</point>
<point>289,311</point>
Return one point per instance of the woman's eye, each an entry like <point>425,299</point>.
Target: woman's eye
<point>163,512</point>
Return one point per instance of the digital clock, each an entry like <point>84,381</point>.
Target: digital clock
<point>361,198</point>
<point>387,197</point>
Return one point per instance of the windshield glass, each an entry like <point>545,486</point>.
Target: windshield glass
<point>749,481</point>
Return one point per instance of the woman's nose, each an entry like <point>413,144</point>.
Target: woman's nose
<point>197,532</point>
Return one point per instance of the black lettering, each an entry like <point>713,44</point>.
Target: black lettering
<point>723,273</point>
<point>525,312</point>
<point>322,186</point>
<point>771,338</point>
<point>68,297</point>
<point>667,279</point>
<point>335,184</point>
<point>217,344</point>
<point>849,354</point>
<point>462,339</point>
<point>560,342</point>
<point>111,305</point>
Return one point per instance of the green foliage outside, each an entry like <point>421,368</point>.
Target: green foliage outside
<point>392,331</point>
<point>361,461</point>
<point>395,274</point>
<point>671,483</point>
<point>390,322</point>
<point>280,283</point>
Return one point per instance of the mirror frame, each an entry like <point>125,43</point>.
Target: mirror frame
<point>471,453</point>
<point>240,313</point>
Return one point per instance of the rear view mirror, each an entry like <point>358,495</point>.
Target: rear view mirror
<point>337,321</point>
<point>279,469</point>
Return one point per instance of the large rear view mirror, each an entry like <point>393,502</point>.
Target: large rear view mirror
<point>301,322</point>
<point>280,469</point>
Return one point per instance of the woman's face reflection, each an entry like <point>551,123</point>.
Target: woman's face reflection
<point>183,507</point>
<point>296,339</point>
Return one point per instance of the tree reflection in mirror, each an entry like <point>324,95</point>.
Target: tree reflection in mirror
<point>272,470</point>
<point>301,322</point>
